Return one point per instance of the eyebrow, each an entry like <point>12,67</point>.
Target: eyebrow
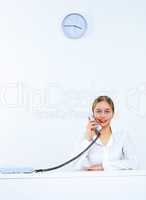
<point>106,109</point>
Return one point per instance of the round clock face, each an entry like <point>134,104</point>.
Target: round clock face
<point>74,25</point>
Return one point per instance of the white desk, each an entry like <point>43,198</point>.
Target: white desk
<point>119,185</point>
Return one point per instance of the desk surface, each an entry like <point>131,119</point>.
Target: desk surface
<point>75,174</point>
<point>64,185</point>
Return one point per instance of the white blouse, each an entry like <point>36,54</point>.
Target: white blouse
<point>117,154</point>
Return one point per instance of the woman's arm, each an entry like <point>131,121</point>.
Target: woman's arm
<point>128,161</point>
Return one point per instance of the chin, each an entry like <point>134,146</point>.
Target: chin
<point>104,125</point>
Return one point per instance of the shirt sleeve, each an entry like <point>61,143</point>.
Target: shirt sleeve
<point>82,162</point>
<point>128,160</point>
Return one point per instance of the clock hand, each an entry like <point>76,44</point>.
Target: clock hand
<point>77,26</point>
<point>73,26</point>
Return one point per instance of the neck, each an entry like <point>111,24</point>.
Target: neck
<point>106,131</point>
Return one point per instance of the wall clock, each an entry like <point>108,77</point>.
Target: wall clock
<point>74,25</point>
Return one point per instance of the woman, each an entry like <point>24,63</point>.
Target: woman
<point>112,150</point>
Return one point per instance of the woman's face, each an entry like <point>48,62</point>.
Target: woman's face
<point>103,113</point>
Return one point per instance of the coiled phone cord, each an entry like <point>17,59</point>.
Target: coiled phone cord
<point>69,161</point>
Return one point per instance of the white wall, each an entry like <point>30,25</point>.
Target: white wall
<point>48,82</point>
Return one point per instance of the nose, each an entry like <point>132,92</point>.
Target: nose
<point>102,113</point>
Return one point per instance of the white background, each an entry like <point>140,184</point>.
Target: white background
<point>48,82</point>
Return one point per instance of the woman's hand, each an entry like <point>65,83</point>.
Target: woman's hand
<point>98,167</point>
<point>90,129</point>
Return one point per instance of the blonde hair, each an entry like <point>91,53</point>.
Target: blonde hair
<point>103,98</point>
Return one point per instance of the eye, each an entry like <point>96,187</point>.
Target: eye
<point>107,111</point>
<point>98,111</point>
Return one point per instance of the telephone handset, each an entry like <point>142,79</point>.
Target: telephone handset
<point>98,127</point>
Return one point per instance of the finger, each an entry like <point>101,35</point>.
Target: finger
<point>91,119</point>
<point>93,123</point>
<point>92,167</point>
<point>93,126</point>
<point>88,168</point>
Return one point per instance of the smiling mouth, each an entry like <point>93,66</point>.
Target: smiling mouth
<point>102,121</point>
